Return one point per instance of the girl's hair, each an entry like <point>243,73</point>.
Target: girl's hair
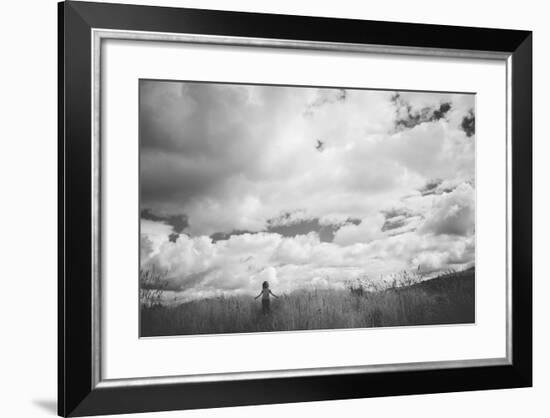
<point>265,285</point>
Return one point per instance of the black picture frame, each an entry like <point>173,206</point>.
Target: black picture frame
<point>77,393</point>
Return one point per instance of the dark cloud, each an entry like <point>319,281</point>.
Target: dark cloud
<point>285,226</point>
<point>435,187</point>
<point>407,118</point>
<point>440,113</point>
<point>320,146</point>
<point>222,236</point>
<point>324,97</point>
<point>188,137</point>
<point>177,222</point>
<point>396,218</point>
<point>173,237</point>
<point>167,108</point>
<point>393,212</point>
<point>469,124</point>
<point>430,187</point>
<point>326,232</point>
<point>394,223</point>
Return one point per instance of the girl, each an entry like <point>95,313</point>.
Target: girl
<point>264,293</point>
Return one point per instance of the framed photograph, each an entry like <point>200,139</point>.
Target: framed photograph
<point>262,208</point>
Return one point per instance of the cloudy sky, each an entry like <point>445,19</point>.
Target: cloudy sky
<point>302,186</point>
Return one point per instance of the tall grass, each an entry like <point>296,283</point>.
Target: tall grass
<point>151,287</point>
<point>447,299</point>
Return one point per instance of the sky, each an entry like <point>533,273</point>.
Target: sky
<point>302,186</point>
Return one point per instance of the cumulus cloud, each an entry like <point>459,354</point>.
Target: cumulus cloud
<point>240,264</point>
<point>365,231</point>
<point>153,235</point>
<point>453,213</point>
<point>234,188</point>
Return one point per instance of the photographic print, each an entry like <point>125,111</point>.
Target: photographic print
<point>292,208</point>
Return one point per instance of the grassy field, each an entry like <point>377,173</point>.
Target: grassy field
<point>448,299</point>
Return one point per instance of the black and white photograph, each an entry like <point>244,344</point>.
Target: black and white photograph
<point>283,208</point>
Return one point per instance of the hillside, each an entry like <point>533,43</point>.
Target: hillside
<point>448,299</point>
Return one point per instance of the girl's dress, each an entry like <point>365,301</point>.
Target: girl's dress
<point>265,301</point>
